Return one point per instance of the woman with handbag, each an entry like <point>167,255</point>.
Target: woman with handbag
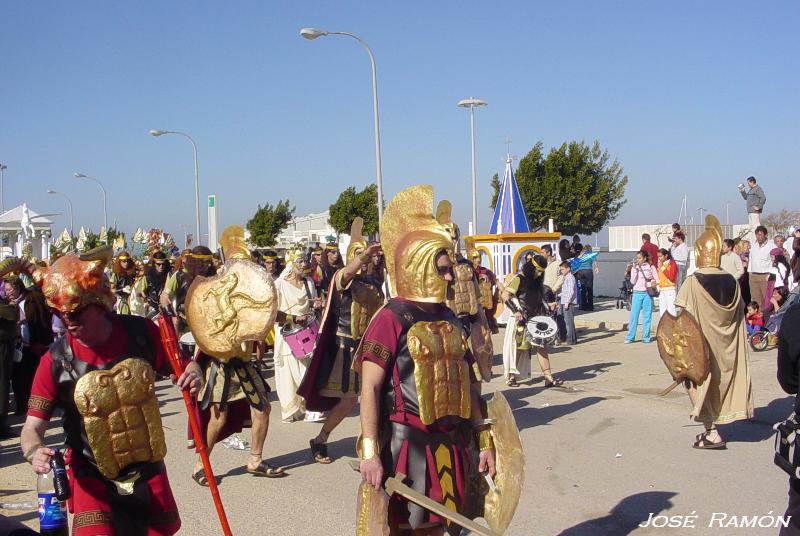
<point>297,300</point>
<point>643,279</point>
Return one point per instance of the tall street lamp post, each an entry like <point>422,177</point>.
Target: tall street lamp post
<point>313,33</point>
<point>473,103</point>
<point>157,133</point>
<point>3,167</point>
<point>69,204</point>
<point>105,208</point>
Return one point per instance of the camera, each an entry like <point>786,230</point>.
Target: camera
<point>741,186</point>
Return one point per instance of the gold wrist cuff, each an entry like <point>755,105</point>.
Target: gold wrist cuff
<point>367,448</point>
<point>485,441</point>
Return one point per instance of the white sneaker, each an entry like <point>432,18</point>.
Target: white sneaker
<point>235,442</point>
<point>314,416</point>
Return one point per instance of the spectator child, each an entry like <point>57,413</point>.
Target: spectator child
<point>754,321</point>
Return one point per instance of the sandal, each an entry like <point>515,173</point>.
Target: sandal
<point>319,452</point>
<point>267,470</point>
<point>553,382</point>
<point>200,478</point>
<point>704,443</point>
<point>512,383</point>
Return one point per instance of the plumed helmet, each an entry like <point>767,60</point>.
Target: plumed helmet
<point>708,246</point>
<point>412,239</point>
<point>357,240</point>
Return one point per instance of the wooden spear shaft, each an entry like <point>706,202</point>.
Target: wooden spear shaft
<point>170,341</point>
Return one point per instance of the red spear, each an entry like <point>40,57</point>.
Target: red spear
<point>170,341</point>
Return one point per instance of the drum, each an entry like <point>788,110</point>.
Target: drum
<point>301,339</point>
<point>542,330</point>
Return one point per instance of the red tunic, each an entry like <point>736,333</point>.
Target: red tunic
<point>90,501</point>
<point>380,345</point>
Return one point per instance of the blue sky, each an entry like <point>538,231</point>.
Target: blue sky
<point>691,98</point>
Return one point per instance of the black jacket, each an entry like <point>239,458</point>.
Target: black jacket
<point>789,353</point>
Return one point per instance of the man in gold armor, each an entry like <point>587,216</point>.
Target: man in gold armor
<point>420,405</point>
<point>711,295</point>
<point>353,297</point>
<point>101,374</point>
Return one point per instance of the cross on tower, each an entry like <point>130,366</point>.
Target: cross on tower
<point>509,156</point>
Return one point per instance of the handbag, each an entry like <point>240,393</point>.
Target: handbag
<point>651,290</point>
<point>787,453</point>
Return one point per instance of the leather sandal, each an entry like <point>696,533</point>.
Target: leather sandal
<point>706,444</point>
<point>200,478</point>
<point>553,382</point>
<point>267,470</point>
<point>319,452</point>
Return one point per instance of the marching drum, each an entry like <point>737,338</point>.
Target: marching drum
<point>542,330</point>
<point>301,339</point>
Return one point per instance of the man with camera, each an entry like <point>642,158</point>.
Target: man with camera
<point>755,199</point>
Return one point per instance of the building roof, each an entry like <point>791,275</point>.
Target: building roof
<point>11,219</point>
<point>509,214</point>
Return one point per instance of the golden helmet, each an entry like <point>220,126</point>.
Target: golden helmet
<point>708,246</point>
<point>71,282</point>
<point>412,239</point>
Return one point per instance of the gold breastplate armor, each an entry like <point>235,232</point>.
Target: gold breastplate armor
<point>485,287</point>
<point>120,415</point>
<point>441,373</point>
<point>366,302</point>
<point>464,299</point>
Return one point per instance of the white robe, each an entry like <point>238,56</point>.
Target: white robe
<point>289,370</point>
<point>519,366</point>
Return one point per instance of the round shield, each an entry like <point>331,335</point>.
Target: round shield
<point>235,306</point>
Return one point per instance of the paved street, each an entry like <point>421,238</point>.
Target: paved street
<point>601,456</point>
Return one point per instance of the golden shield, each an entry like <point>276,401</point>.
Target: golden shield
<point>683,348</point>
<point>499,507</point>
<point>234,307</point>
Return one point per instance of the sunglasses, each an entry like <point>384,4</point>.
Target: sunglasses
<point>72,317</point>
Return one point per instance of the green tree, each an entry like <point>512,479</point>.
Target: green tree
<point>352,204</point>
<point>577,185</point>
<point>268,222</point>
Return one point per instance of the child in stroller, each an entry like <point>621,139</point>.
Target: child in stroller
<point>626,290</point>
<point>768,337</point>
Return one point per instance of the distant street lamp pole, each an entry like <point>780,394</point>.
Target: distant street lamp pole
<point>3,167</point>
<point>157,133</point>
<point>313,33</point>
<point>105,208</point>
<point>701,210</point>
<point>472,103</point>
<point>69,203</point>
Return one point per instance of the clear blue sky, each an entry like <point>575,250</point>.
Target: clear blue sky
<point>691,98</point>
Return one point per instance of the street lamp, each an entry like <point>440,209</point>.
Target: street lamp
<point>105,211</point>
<point>158,133</point>
<point>313,33</point>
<point>69,203</point>
<point>3,167</point>
<point>473,103</point>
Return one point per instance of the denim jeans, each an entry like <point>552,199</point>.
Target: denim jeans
<point>568,314</point>
<point>640,303</point>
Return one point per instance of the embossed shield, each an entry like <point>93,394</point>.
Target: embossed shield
<point>683,347</point>
<point>499,507</point>
<point>227,310</point>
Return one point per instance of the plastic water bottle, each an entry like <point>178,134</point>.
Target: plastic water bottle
<point>52,512</point>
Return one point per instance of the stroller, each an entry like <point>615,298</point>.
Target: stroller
<point>768,337</point>
<point>626,290</point>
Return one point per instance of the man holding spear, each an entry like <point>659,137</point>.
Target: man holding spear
<point>101,373</point>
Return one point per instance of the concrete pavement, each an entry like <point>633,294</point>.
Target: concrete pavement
<point>602,455</point>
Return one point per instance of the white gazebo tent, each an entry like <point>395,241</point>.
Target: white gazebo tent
<point>21,223</point>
